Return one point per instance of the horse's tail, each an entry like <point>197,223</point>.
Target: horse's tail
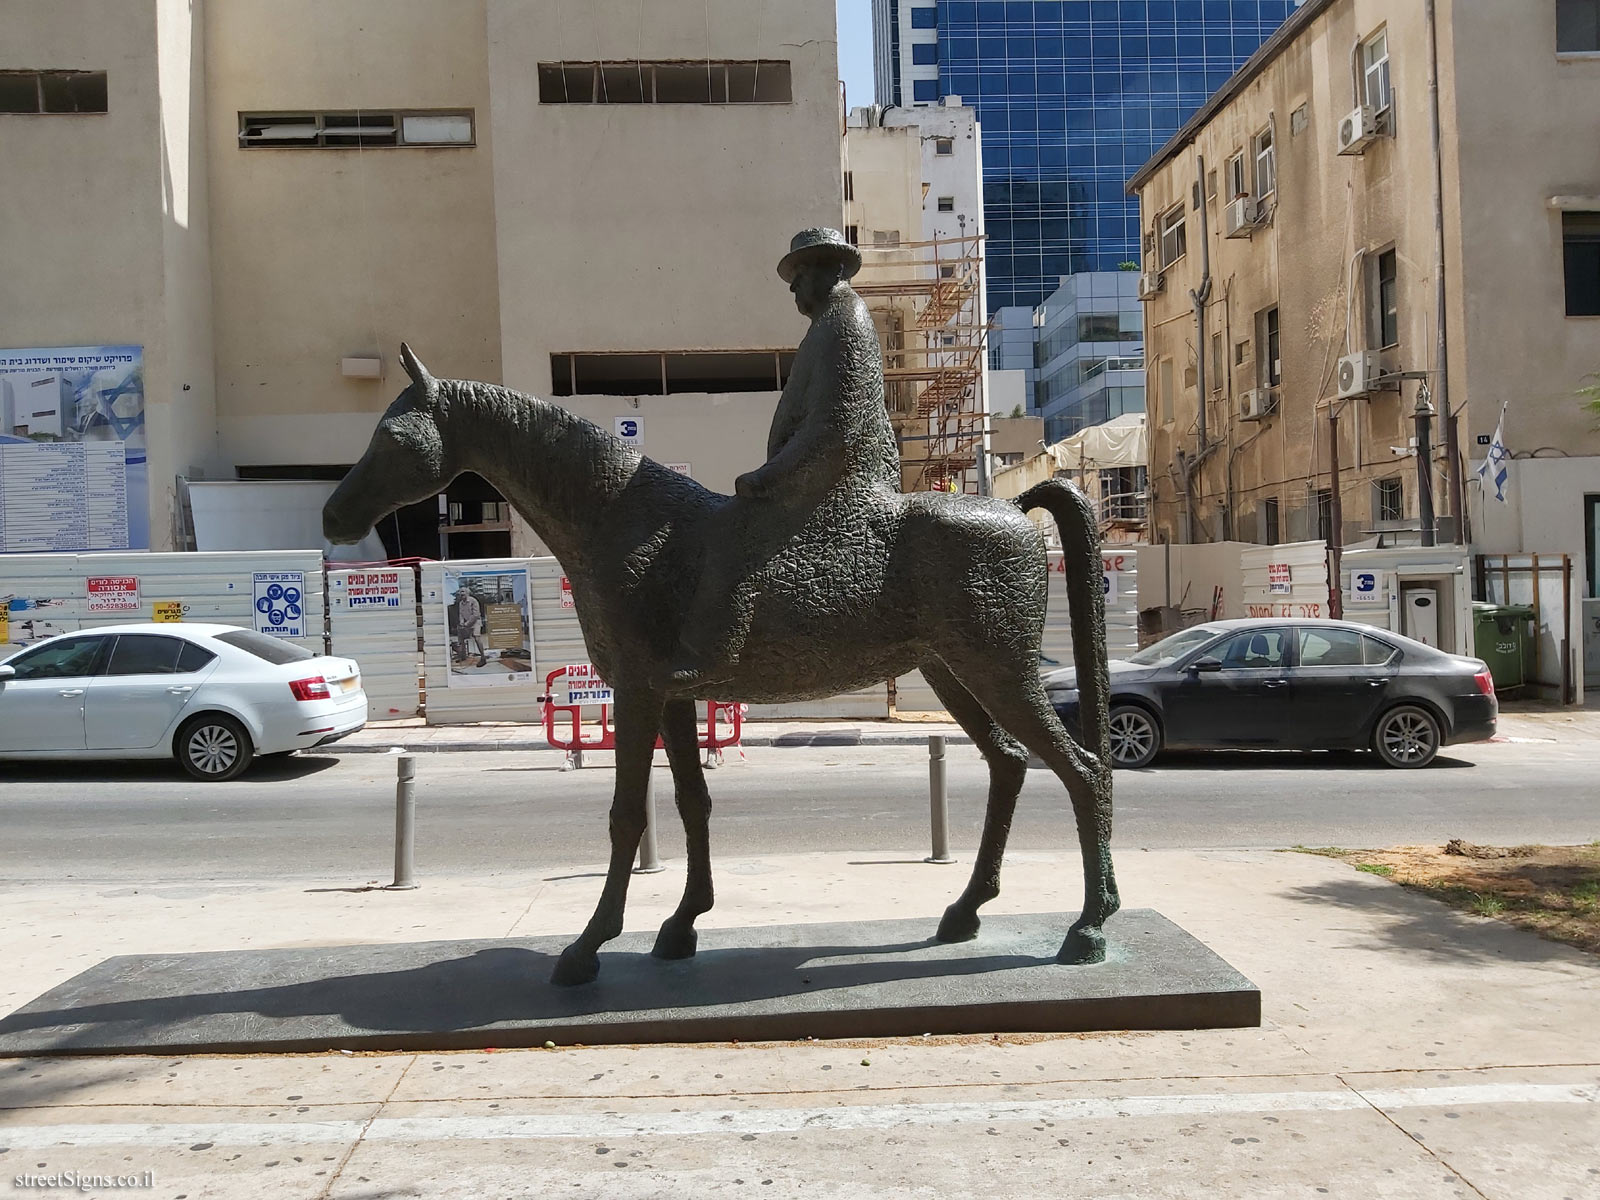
<point>1086,603</point>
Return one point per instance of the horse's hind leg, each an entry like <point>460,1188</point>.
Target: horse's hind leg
<point>1014,696</point>
<point>638,716</point>
<point>677,938</point>
<point>1008,769</point>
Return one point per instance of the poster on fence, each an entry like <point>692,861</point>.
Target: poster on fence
<point>488,626</point>
<point>373,589</point>
<point>73,474</point>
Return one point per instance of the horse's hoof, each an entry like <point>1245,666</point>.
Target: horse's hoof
<point>575,967</point>
<point>958,925</point>
<point>676,941</point>
<point>1083,946</point>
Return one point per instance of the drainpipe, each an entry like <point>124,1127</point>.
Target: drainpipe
<point>1199,297</point>
<point>1335,521</point>
<point>1441,349</point>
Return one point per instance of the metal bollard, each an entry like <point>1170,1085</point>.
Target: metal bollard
<point>405,824</point>
<point>649,858</point>
<point>938,801</point>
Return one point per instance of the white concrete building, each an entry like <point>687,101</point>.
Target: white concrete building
<point>262,198</point>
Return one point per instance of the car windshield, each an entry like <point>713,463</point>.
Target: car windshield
<point>1170,649</point>
<point>271,649</point>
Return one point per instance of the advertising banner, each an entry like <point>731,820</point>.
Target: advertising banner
<point>73,474</point>
<point>280,603</point>
<point>1280,582</point>
<point>489,626</point>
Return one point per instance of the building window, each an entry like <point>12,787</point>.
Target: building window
<point>1298,120</point>
<point>1580,246</point>
<point>1577,26</point>
<point>924,18</point>
<point>761,81</point>
<point>925,54</point>
<point>1216,362</point>
<point>947,272</point>
<point>1266,163</point>
<point>52,92</point>
<point>944,147</point>
<point>359,129</point>
<point>1269,366</point>
<point>1389,499</point>
<point>849,185</point>
<point>925,90</point>
<point>947,204</point>
<point>1174,237</point>
<point>657,373</point>
<point>1323,499</point>
<point>1238,177</point>
<point>1375,71</point>
<point>1386,298</point>
<point>852,234</point>
<point>1269,521</point>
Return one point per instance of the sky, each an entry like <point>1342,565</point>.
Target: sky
<point>855,50</point>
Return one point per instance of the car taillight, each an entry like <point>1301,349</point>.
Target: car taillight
<point>1485,682</point>
<point>315,688</point>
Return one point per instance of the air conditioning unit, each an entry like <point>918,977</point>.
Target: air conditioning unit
<point>1356,374</point>
<point>1151,284</point>
<point>1257,404</point>
<point>1357,129</point>
<point>1242,216</point>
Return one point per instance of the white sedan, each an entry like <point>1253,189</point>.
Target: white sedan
<point>213,696</point>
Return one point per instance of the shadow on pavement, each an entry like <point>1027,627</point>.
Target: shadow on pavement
<point>161,770</point>
<point>1288,760</point>
<point>1421,926</point>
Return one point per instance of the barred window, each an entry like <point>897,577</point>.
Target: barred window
<point>696,81</point>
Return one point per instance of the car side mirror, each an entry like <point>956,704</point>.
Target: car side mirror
<point>1205,665</point>
<point>7,672</point>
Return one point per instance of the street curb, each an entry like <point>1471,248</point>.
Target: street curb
<point>787,741</point>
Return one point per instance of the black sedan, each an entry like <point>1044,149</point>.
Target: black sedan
<point>1290,685</point>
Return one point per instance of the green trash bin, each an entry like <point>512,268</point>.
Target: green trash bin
<point>1502,636</point>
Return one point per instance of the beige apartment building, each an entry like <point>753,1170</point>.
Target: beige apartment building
<point>258,200</point>
<point>1299,232</point>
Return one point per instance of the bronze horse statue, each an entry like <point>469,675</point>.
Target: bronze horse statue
<point>953,585</point>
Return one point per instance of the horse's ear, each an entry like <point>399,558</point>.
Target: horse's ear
<point>414,368</point>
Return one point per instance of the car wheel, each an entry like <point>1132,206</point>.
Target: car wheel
<point>1135,737</point>
<point>214,747</point>
<point>1407,736</point>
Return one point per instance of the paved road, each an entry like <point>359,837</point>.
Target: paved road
<point>331,818</point>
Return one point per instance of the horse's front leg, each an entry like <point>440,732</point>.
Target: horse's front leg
<point>638,716</point>
<point>677,938</point>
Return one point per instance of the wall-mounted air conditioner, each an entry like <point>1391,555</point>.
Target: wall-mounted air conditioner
<point>1356,375</point>
<point>1257,404</point>
<point>1151,284</point>
<point>1242,216</point>
<point>1357,130</point>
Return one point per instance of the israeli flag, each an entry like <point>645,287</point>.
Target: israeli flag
<point>1496,466</point>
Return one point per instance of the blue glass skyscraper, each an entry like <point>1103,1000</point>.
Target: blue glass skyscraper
<point>1074,96</point>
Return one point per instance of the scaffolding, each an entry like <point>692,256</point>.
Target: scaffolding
<point>926,298</point>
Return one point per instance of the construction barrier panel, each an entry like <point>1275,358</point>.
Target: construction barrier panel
<point>1290,580</point>
<point>373,618</point>
<point>487,672</point>
<point>275,591</point>
<point>1120,569</point>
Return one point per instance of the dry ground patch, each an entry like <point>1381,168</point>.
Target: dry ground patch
<point>1552,890</point>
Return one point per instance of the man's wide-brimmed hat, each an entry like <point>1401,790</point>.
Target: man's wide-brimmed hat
<point>819,243</point>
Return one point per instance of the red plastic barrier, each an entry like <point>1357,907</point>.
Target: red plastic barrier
<point>572,715</point>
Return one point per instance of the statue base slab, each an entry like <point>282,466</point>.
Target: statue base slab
<point>859,979</point>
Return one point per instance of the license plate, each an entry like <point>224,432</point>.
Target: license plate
<point>351,684</point>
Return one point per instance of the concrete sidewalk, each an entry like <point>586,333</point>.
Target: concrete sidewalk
<point>1407,1051</point>
<point>1517,722</point>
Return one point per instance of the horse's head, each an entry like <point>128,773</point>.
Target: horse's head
<point>406,461</point>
